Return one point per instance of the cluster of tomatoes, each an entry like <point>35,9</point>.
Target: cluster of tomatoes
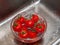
<point>28,28</point>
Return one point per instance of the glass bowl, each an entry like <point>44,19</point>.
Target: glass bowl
<point>29,40</point>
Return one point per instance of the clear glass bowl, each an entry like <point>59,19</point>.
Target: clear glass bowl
<point>29,40</point>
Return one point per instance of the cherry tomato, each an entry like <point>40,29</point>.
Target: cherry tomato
<point>40,28</point>
<point>32,34</point>
<point>23,33</point>
<point>35,18</point>
<point>17,27</point>
<point>21,19</point>
<point>24,27</point>
<point>29,23</point>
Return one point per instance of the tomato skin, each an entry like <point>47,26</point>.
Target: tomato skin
<point>21,20</point>
<point>24,27</point>
<point>23,33</point>
<point>17,27</point>
<point>35,18</point>
<point>40,28</point>
<point>29,23</point>
<point>32,34</point>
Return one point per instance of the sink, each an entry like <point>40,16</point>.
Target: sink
<point>7,7</point>
<point>51,35</point>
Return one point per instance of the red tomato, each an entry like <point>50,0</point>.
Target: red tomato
<point>24,27</point>
<point>35,18</point>
<point>23,33</point>
<point>21,19</point>
<point>32,34</point>
<point>17,27</point>
<point>29,23</point>
<point>40,28</point>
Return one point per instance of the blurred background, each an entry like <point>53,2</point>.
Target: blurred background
<point>8,6</point>
<point>53,5</point>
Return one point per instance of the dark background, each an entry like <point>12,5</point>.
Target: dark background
<point>53,5</point>
<point>8,6</point>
